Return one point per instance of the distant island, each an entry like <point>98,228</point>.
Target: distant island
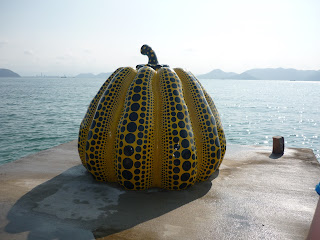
<point>8,73</point>
<point>265,74</point>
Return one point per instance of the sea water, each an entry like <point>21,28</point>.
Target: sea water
<point>39,113</point>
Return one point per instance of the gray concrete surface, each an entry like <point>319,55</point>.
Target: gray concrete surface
<point>257,195</point>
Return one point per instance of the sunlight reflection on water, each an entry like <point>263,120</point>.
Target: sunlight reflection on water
<point>254,111</point>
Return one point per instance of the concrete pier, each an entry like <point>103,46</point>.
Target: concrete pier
<point>257,195</point>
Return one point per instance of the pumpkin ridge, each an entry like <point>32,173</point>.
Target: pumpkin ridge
<point>99,154</point>
<point>215,112</point>
<point>134,155</point>
<point>207,140</point>
<point>87,120</point>
<point>179,166</point>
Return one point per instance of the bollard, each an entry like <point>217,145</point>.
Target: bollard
<point>278,145</point>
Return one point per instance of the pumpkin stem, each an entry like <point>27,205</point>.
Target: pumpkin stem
<point>153,61</point>
<point>146,50</point>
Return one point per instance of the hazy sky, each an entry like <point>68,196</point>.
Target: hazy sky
<point>70,37</point>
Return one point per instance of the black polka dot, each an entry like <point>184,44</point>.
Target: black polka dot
<point>181,124</point>
<point>133,116</point>
<point>137,89</point>
<point>127,163</point>
<point>186,154</point>
<point>213,121</point>
<point>127,175</point>
<point>93,124</point>
<point>176,154</point>
<point>137,164</point>
<point>176,162</point>
<point>132,127</point>
<point>141,128</point>
<point>185,143</point>
<point>128,150</point>
<point>176,170</point>
<point>186,166</point>
<point>185,176</point>
<point>130,138</point>
<point>135,107</point>
<point>217,142</point>
<point>180,115</point>
<point>89,135</point>
<point>219,154</point>
<point>179,107</point>
<point>215,131</point>
<point>183,133</point>
<point>138,148</point>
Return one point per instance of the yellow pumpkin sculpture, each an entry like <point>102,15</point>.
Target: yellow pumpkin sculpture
<point>151,127</point>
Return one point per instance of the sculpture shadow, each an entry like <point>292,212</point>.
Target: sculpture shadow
<point>73,205</point>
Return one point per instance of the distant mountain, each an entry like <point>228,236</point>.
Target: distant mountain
<point>91,75</point>
<point>103,75</point>
<point>314,76</point>
<point>8,73</point>
<point>266,74</point>
<point>243,76</point>
<point>85,75</point>
<point>217,74</point>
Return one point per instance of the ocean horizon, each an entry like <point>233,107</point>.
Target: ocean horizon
<point>40,113</point>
